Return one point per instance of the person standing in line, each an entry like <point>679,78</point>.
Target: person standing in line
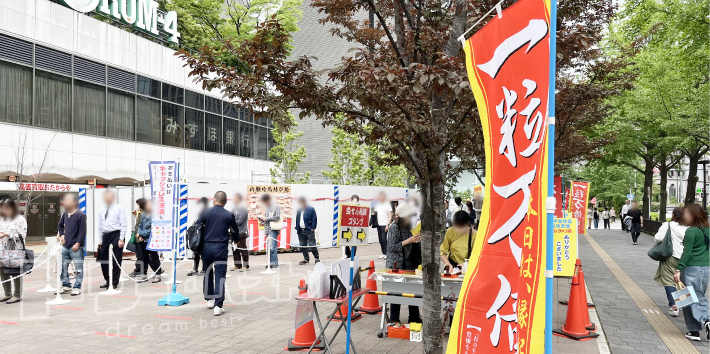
<point>612,215</point>
<point>150,258</point>
<point>355,199</point>
<point>272,227</point>
<point>112,231</point>
<point>71,235</point>
<point>693,269</point>
<point>478,207</point>
<point>214,252</point>
<point>666,269</point>
<point>624,211</point>
<point>137,215</point>
<point>596,217</point>
<point>383,210</point>
<point>404,250</point>
<point>472,213</point>
<point>203,205</point>
<point>448,214</point>
<point>306,223</point>
<point>13,226</point>
<point>460,205</point>
<point>239,237</point>
<point>636,221</point>
<point>605,217</point>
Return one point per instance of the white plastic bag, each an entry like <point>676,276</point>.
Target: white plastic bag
<point>319,282</point>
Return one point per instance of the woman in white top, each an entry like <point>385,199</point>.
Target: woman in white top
<point>666,269</point>
<point>12,226</point>
<point>612,214</point>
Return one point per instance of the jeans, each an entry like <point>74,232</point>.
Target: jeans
<point>669,291</point>
<point>308,238</point>
<point>77,257</point>
<point>273,247</point>
<point>698,313</point>
<point>635,231</point>
<point>382,236</point>
<point>214,264</point>
<point>596,223</point>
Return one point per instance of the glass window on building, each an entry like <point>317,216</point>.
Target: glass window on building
<point>149,124</point>
<point>172,125</point>
<point>246,139</point>
<point>246,115</point>
<point>272,142</point>
<point>148,87</point>
<point>15,93</point>
<point>213,133</point>
<point>262,143</point>
<point>231,111</point>
<point>231,134</point>
<point>89,109</point>
<point>120,122</point>
<point>52,101</point>
<point>173,93</point>
<point>194,100</point>
<point>194,129</point>
<point>213,105</point>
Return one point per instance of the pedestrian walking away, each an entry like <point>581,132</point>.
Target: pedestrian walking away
<point>13,229</point>
<point>112,231</point>
<point>624,211</point>
<point>306,223</point>
<point>636,221</point>
<point>71,235</point>
<point>693,269</point>
<point>239,237</point>
<point>214,252</point>
<point>272,222</point>
<point>667,268</point>
<point>383,211</point>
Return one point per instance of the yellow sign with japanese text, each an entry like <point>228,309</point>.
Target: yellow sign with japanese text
<point>565,231</point>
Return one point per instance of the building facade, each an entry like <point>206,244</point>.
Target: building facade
<point>83,100</point>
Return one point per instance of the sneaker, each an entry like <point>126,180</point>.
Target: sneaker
<point>317,260</point>
<point>234,268</point>
<point>692,335</point>
<point>272,267</point>
<point>218,311</point>
<point>143,278</point>
<point>192,272</point>
<point>134,273</point>
<point>17,299</point>
<point>381,257</point>
<point>157,278</point>
<point>707,330</point>
<point>210,304</point>
<point>303,262</point>
<point>5,298</point>
<point>64,290</point>
<point>673,312</point>
<point>75,292</point>
<point>201,274</point>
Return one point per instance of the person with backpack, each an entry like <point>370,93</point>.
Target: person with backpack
<point>693,269</point>
<point>458,241</point>
<point>666,268</point>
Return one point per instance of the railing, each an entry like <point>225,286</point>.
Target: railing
<point>651,226</point>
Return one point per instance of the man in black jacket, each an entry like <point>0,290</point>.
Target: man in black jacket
<point>306,223</point>
<point>214,251</point>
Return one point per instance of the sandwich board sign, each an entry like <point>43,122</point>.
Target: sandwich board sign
<point>353,225</point>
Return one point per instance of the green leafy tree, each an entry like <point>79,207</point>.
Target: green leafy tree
<point>349,163</point>
<point>465,195</point>
<point>287,154</point>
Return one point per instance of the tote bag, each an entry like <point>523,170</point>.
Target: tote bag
<point>664,250</point>
<point>684,296</point>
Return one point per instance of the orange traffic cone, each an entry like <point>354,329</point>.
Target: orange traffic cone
<point>344,310</point>
<point>582,283</point>
<point>371,303</point>
<point>574,326</point>
<point>306,334</point>
<point>583,298</point>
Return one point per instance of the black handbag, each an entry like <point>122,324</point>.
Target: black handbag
<point>194,237</point>
<point>29,262</point>
<point>373,220</point>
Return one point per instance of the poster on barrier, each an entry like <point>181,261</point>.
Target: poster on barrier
<point>565,234</point>
<point>162,189</point>
<point>281,195</point>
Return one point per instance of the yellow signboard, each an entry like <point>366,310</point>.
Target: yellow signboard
<point>477,189</point>
<point>565,230</point>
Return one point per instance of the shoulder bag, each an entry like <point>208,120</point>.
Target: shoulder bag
<point>17,261</point>
<point>195,234</point>
<point>664,250</point>
<point>276,225</point>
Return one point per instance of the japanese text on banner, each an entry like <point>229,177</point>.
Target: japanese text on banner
<point>162,187</point>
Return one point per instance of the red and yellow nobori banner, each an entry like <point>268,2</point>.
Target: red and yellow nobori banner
<point>578,202</point>
<point>502,300</point>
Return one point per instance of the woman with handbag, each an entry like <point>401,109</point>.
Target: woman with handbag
<point>13,231</point>
<point>693,269</point>
<point>666,268</point>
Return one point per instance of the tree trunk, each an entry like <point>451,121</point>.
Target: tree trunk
<point>431,238</point>
<point>663,201</point>
<point>647,185</point>
<point>692,178</point>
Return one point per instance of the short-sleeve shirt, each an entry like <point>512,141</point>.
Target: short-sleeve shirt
<point>635,216</point>
<point>383,210</point>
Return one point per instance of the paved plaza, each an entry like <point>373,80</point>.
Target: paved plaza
<point>261,310</point>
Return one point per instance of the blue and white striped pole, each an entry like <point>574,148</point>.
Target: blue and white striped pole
<point>336,206</point>
<point>182,221</point>
<point>82,207</point>
<point>550,202</point>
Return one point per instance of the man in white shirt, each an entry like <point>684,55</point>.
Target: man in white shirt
<point>624,211</point>
<point>112,231</point>
<point>384,218</point>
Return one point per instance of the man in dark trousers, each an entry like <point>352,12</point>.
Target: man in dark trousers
<point>239,237</point>
<point>636,221</point>
<point>72,236</point>
<point>214,251</point>
<point>112,231</point>
<point>306,223</point>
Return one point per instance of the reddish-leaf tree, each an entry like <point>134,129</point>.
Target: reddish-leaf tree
<point>404,90</point>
